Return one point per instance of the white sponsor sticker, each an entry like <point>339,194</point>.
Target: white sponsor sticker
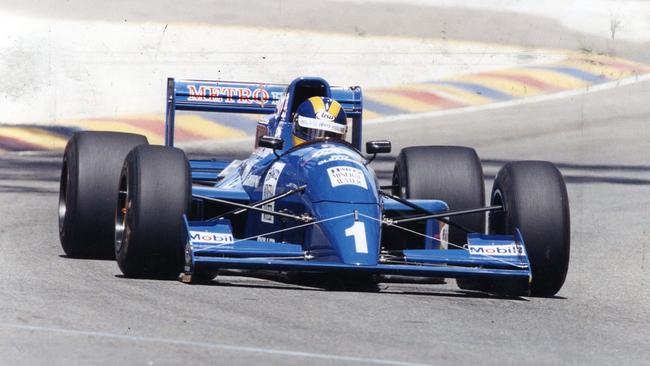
<point>281,104</point>
<point>252,180</point>
<point>248,165</point>
<point>444,236</point>
<point>346,175</point>
<point>322,124</point>
<point>323,114</point>
<point>339,158</point>
<point>230,168</point>
<point>268,190</point>
<point>266,217</point>
<point>497,250</point>
<point>278,130</point>
<point>234,182</point>
<point>260,152</point>
<point>328,151</point>
<point>213,238</point>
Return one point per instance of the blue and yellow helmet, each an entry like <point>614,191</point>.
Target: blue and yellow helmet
<point>319,117</point>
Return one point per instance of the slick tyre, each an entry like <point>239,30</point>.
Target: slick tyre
<point>449,173</point>
<point>154,194</point>
<point>92,162</point>
<point>535,201</point>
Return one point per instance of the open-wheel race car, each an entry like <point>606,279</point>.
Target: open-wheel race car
<point>309,206</point>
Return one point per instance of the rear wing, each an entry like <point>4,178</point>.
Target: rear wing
<point>245,97</point>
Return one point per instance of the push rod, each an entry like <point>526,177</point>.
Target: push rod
<point>237,211</point>
<point>448,214</point>
<point>269,212</point>
<point>425,211</point>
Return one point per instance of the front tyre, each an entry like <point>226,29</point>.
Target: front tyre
<point>154,194</point>
<point>535,201</point>
<point>91,167</point>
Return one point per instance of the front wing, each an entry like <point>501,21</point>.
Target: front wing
<point>211,247</point>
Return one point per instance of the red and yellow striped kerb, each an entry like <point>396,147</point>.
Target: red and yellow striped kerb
<point>577,71</point>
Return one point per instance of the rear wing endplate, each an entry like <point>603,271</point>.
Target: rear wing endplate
<point>245,97</point>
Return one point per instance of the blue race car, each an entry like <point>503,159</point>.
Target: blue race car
<point>309,203</point>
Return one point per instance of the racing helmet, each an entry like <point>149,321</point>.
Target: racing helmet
<point>317,118</point>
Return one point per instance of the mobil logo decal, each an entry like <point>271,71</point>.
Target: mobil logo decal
<point>213,238</point>
<point>496,250</point>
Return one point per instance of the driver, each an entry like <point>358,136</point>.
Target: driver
<point>319,118</point>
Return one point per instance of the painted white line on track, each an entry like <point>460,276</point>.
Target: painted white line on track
<point>218,346</point>
<point>511,103</point>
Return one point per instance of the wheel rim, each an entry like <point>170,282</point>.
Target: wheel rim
<point>63,194</point>
<point>121,212</point>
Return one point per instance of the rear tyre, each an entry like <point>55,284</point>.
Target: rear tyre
<point>453,174</point>
<point>154,193</point>
<point>535,201</point>
<point>91,168</point>
<point>449,173</point>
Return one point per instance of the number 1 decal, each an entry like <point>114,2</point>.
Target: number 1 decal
<point>358,230</point>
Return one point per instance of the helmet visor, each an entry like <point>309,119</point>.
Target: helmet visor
<point>312,128</point>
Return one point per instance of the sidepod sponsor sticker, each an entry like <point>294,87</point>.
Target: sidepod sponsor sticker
<point>252,180</point>
<point>268,190</point>
<point>496,250</point>
<point>346,175</point>
<point>213,238</point>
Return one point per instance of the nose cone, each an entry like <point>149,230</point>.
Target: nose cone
<point>344,238</point>
<point>338,185</point>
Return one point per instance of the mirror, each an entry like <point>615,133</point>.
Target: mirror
<point>378,147</point>
<point>271,142</point>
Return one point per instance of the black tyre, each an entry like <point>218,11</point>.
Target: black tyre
<point>154,193</point>
<point>535,200</point>
<point>449,173</point>
<point>92,162</point>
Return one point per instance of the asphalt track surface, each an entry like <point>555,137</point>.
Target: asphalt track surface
<point>55,310</point>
